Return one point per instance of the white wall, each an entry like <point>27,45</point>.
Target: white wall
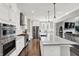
<point>58,26</point>
<point>35,22</point>
<point>62,24</point>
<point>71,16</point>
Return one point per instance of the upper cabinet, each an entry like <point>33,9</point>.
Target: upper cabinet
<point>22,23</point>
<point>8,12</point>
<point>12,13</point>
<point>4,12</point>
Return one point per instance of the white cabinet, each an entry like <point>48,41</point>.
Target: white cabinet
<point>25,22</point>
<point>51,51</point>
<point>12,13</point>
<point>56,50</point>
<point>20,42</point>
<point>8,13</point>
<point>4,12</point>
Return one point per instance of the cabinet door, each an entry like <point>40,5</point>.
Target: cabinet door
<point>8,12</point>
<point>20,42</point>
<point>12,13</point>
<point>4,12</point>
<point>48,49</point>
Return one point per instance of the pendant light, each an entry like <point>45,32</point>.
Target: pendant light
<point>48,20</point>
<point>48,15</point>
<point>54,10</point>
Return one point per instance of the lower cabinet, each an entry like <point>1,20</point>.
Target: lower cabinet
<point>51,51</point>
<point>20,43</point>
<point>56,50</point>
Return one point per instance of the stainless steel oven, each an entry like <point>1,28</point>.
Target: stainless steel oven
<point>7,39</point>
<point>4,32</point>
<point>7,30</point>
<point>9,47</point>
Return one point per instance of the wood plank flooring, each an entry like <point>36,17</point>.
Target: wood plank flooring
<point>75,50</point>
<point>32,49</point>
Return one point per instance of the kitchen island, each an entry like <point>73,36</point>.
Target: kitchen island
<point>58,47</point>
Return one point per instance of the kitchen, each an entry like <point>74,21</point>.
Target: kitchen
<point>15,25</point>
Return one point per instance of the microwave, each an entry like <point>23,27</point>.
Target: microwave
<point>7,30</point>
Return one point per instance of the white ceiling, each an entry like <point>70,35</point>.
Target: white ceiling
<point>40,10</point>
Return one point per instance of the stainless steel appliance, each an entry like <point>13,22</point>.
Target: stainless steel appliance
<point>7,30</point>
<point>7,39</point>
<point>7,47</point>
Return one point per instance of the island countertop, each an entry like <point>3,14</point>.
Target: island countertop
<point>59,41</point>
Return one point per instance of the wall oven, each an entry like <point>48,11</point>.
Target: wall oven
<point>6,48</point>
<point>4,32</point>
<point>7,30</point>
<point>9,47</point>
<point>4,29</point>
<point>7,39</point>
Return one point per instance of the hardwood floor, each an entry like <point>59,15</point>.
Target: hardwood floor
<point>32,49</point>
<point>74,50</point>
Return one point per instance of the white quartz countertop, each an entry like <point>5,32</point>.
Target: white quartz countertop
<point>59,41</point>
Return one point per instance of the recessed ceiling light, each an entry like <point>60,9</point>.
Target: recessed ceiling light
<point>32,11</point>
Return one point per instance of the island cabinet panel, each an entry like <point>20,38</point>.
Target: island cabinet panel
<point>51,51</point>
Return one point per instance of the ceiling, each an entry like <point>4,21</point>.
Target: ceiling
<point>40,10</point>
